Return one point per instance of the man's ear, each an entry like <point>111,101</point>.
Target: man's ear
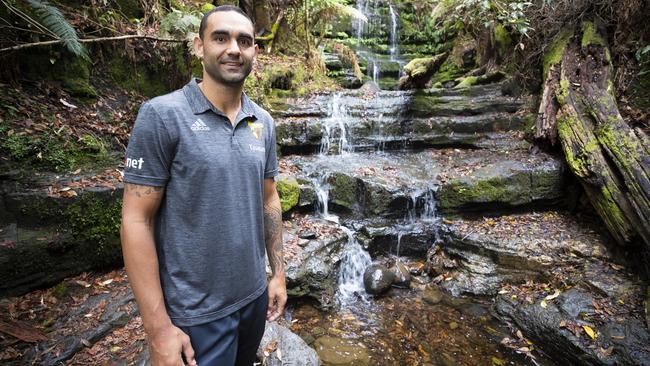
<point>198,46</point>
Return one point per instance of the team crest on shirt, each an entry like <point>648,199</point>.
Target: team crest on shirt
<point>256,129</point>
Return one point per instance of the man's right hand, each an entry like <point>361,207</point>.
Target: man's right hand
<point>166,345</point>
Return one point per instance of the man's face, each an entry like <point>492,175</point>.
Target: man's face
<point>228,47</point>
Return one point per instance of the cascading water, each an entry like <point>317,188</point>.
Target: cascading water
<point>335,127</point>
<point>375,29</point>
<point>426,215</point>
<point>354,262</point>
<point>393,33</point>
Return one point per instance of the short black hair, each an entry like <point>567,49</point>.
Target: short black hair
<point>204,20</point>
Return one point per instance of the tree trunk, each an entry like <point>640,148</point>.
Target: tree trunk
<point>610,159</point>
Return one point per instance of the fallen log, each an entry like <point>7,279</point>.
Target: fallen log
<point>610,159</point>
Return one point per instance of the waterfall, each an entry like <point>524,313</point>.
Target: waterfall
<point>336,122</point>
<point>322,189</point>
<point>375,71</point>
<point>354,262</point>
<point>393,33</point>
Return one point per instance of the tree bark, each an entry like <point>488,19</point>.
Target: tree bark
<point>610,159</point>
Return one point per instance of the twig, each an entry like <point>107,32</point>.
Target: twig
<point>90,40</point>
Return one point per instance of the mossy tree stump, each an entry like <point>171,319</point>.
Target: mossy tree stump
<point>610,159</point>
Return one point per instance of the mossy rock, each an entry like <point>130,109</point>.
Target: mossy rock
<point>462,59</point>
<point>60,66</point>
<point>417,67</point>
<point>289,192</point>
<point>166,69</point>
<point>506,185</point>
<point>63,238</point>
<point>344,190</point>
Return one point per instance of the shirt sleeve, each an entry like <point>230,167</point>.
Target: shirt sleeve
<point>271,165</point>
<point>150,150</point>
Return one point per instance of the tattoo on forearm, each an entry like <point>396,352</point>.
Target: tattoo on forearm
<point>139,190</point>
<point>273,237</point>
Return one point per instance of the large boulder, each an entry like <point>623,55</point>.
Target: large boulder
<point>280,346</point>
<point>378,279</point>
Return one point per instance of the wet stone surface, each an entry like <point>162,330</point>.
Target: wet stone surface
<point>384,184</point>
<point>492,250</point>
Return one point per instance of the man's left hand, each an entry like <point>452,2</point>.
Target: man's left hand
<point>277,297</point>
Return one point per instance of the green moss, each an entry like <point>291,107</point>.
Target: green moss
<point>417,67</point>
<point>75,77</point>
<point>590,36</point>
<point>343,191</point>
<point>94,219</point>
<point>289,192</point>
<point>563,92</point>
<point>93,144</point>
<point>502,40</point>
<point>611,209</point>
<point>553,55</point>
<point>577,160</point>
<point>467,82</point>
<point>60,290</point>
<point>132,76</point>
<point>448,71</point>
<point>512,190</point>
<point>625,149</point>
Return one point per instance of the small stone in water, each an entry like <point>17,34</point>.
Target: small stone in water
<point>307,235</point>
<point>432,295</point>
<point>453,325</point>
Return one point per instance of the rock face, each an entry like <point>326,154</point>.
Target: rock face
<point>461,180</point>
<point>312,259</point>
<point>46,237</point>
<point>561,328</point>
<point>341,352</point>
<point>378,279</point>
<point>280,346</point>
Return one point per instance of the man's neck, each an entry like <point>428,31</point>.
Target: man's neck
<point>225,98</point>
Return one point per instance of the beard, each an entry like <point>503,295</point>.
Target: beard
<point>223,76</point>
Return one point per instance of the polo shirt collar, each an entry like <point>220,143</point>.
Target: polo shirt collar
<point>200,104</point>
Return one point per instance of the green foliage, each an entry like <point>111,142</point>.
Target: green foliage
<point>489,12</point>
<point>52,19</point>
<point>309,17</point>
<point>642,56</point>
<point>180,24</point>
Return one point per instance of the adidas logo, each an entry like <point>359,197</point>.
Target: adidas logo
<point>199,125</point>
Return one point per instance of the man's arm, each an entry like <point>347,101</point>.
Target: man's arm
<point>273,240</point>
<point>139,208</point>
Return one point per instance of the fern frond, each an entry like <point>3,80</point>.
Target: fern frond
<point>51,18</point>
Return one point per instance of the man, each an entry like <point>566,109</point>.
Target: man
<point>200,206</point>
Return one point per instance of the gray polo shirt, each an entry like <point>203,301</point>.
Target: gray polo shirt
<point>209,229</point>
